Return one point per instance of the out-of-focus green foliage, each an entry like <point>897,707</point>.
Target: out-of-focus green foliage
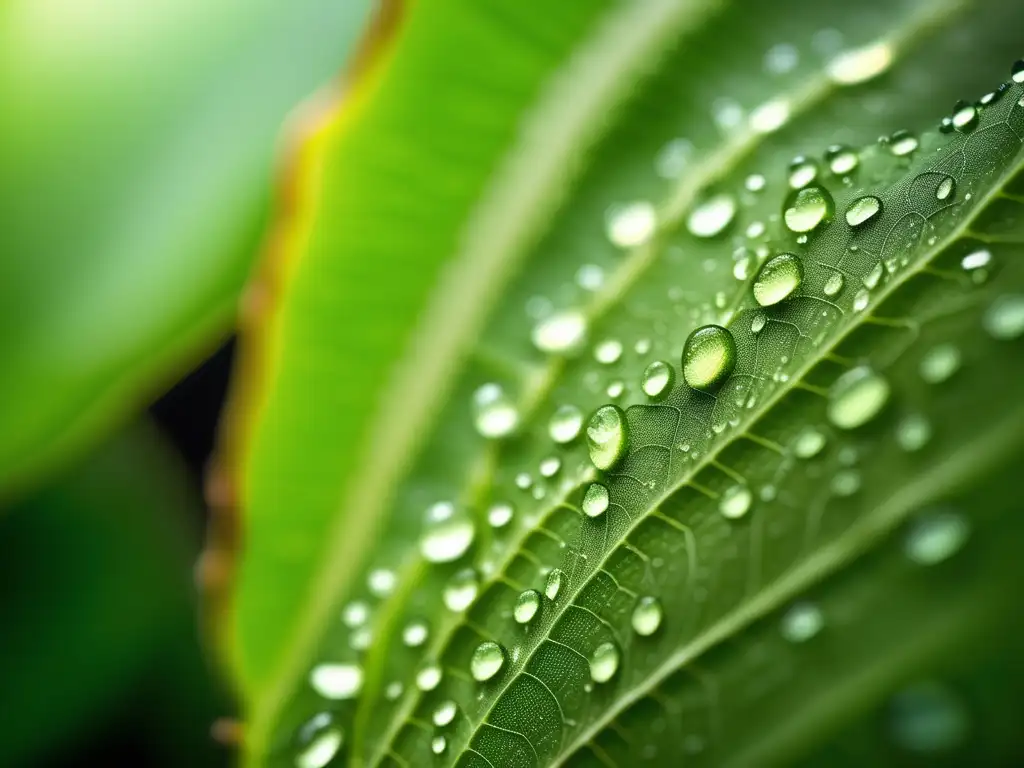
<point>136,142</point>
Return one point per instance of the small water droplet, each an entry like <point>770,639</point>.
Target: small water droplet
<point>1004,318</point>
<point>438,745</point>
<point>355,614</point>
<point>615,389</point>
<point>590,277</point>
<point>808,443</point>
<point>642,346</point>
<point>608,351</point>
<point>607,436</point>
<point>856,397</point>
<point>499,515</point>
<point>862,210</point>
<point>945,188</point>
<point>319,740</point>
<point>1017,71</point>
<point>845,482</point>
<point>913,432</point>
<point>735,502</point>
<point>487,659</point>
<point>778,279</point>
<point>834,284</point>
<point>802,171</point>
<point>802,622</point>
<point>549,467</point>
<point>647,616</point>
<point>939,363</point>
<point>337,681</point>
<point>565,424</point>
<point>561,332</point>
<point>755,182</point>
<point>977,263</point>
<point>632,224</point>
<point>859,65</point>
<point>758,322</point>
<point>360,639</point>
<point>658,379</point>
<point>595,500</point>
<point>604,662</point>
<point>781,58</point>
<point>935,536</point>
<point>381,582</point>
<point>709,357</point>
<point>871,278</point>
<point>841,159</point>
<point>494,413</point>
<point>712,216</point>
<point>861,299</point>
<point>965,117</point>
<point>393,690</point>
<point>444,713</point>
<point>672,158</point>
<point>461,590</point>
<point>808,209</point>
<point>553,584</point>
<point>902,143</point>
<point>415,634</point>
<point>926,717</point>
<point>447,534</point>
<point>727,113</point>
<point>428,677</point>
<point>770,116</point>
<point>526,606</point>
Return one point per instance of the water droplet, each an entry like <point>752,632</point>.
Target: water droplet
<point>741,269</point>
<point>672,158</point>
<point>976,263</point>
<point>428,677</point>
<point>553,584</point>
<point>834,284</point>
<point>808,443</point>
<point>781,58</point>
<point>965,117</point>
<point>494,413</point>
<point>337,681</point>
<point>913,432</point>
<point>415,634</point>
<point>862,210</point>
<point>845,482</point>
<point>802,622</point>
<point>658,379</point>
<point>758,322</point>
<point>726,113</point>
<point>778,279</point>
<point>945,188</point>
<point>355,614</point>
<point>871,278</point>
<point>565,424</point>
<point>590,277</point>
<point>860,64</point>
<point>1017,71</point>
<point>615,389</point>
<point>1004,319</point>
<point>807,209</point>
<point>393,690</point>
<point>735,502</point>
<point>526,606</point>
<point>712,216</point>
<point>770,116</point>
<point>499,515</point>
<point>604,662</point>
<point>487,659</point>
<point>360,639</point>
<point>438,745</point>
<point>642,346</point>
<point>549,467</point>
<point>607,436</point>
<point>561,332</point>
<point>935,536</point>
<point>444,713</point>
<point>608,351</point>
<point>755,182</point>
<point>802,171</point>
<point>647,616</point>
<point>319,740</point>
<point>856,397</point>
<point>709,357</point>
<point>926,717</point>
<point>632,224</point>
<point>381,582</point>
<point>461,590</point>
<point>861,299</point>
<point>447,534</point>
<point>841,159</point>
<point>902,143</point>
<point>595,500</point>
<point>939,363</point>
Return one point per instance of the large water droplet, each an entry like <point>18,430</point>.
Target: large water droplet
<point>862,210</point>
<point>526,606</point>
<point>604,662</point>
<point>965,117</point>
<point>319,740</point>
<point>494,413</point>
<point>553,584</point>
<point>735,501</point>
<point>939,363</point>
<point>808,443</point>
<point>631,225</point>
<point>856,397</point>
<point>841,159</point>
<point>607,436</point>
<point>711,217</point>
<point>802,171</point>
<point>444,713</point>
<point>415,634</point>
<point>561,332</point>
<point>945,188</point>
<point>1004,319</point>
<point>778,279</point>
<point>428,677</point>
<point>657,379</point>
<point>647,616</point>
<point>902,143</point>
<point>337,681</point>
<point>461,590</point>
<point>487,659</point>
<point>447,534</point>
<point>438,745</point>
<point>860,64</point>
<point>709,357</point>
<point>926,717</point>
<point>807,209</point>
<point>595,500</point>
<point>565,424</point>
<point>936,536</point>
<point>802,622</point>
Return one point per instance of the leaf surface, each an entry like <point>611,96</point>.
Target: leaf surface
<point>642,215</point>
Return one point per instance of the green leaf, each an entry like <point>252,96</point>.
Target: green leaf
<point>137,151</point>
<point>748,578</point>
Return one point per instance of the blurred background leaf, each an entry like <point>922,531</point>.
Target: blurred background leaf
<point>136,141</point>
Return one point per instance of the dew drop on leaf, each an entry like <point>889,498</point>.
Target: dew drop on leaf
<point>735,501</point>
<point>562,332</point>
<point>393,690</point>
<point>935,536</point>
<point>758,322</point>
<point>845,482</point>
<point>526,606</point>
<point>415,634</point>
<point>927,717</point>
<point>607,436</point>
<point>1017,71</point>
<point>976,264</point>
<point>447,533</point>
<point>444,713</point>
<point>549,467</point>
<point>1004,319</point>
<point>553,584</point>
<point>608,351</point>
<point>438,745</point>
<point>940,363</point>
<point>647,616</point>
<point>841,159</point>
<point>709,357</point>
<point>632,224</point>
<point>355,614</point>
<point>499,515</point>
<point>965,117</point>
<point>770,116</point>
<point>807,209</point>
<point>902,143</point>
<point>337,681</point>
<point>494,413</point>
<point>381,582</point>
<point>913,432</point>
<point>360,639</point>
<point>487,659</point>
<point>590,277</point>
<point>862,210</point>
<point>565,424</point>
<point>595,500</point>
<point>428,677</point>
<point>801,622</point>
<point>319,740</point>
<point>711,217</point>
<point>755,182</point>
<point>604,662</point>
<point>945,188</point>
<point>834,284</point>
<point>808,443</point>
<point>860,64</point>
<point>778,279</point>
<point>802,171</point>
<point>856,397</point>
<point>871,278</point>
<point>461,590</point>
<point>657,379</point>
